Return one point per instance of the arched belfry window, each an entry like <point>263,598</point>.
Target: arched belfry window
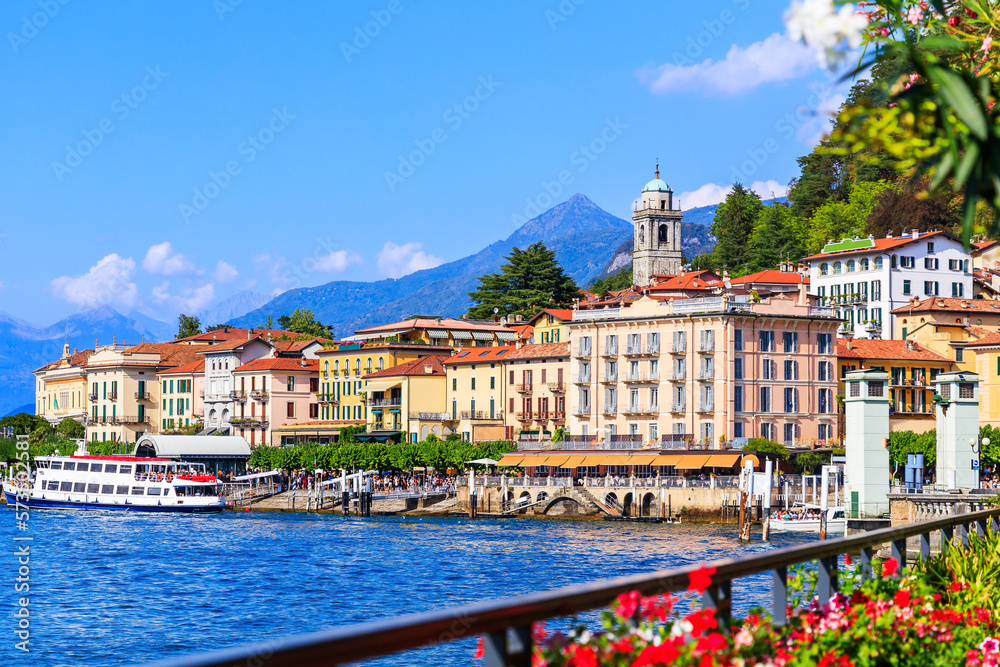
<point>642,234</point>
<point>663,234</point>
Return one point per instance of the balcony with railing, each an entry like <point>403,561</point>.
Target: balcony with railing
<point>678,406</point>
<point>327,398</point>
<point>524,416</point>
<point>823,311</point>
<point>678,374</point>
<point>640,378</point>
<point>433,416</point>
<point>642,349</point>
<point>706,373</point>
<point>610,350</point>
<point>642,409</point>
<point>559,416</point>
<point>595,314</point>
<point>133,419</point>
<point>378,403</point>
<point>582,409</point>
<point>610,376</point>
<point>581,351</point>
<point>112,395</point>
<point>480,416</point>
<point>581,378</point>
<point>238,396</point>
<point>249,422</point>
<point>258,394</point>
<point>706,406</point>
<point>610,408</point>
<point>557,387</point>
<point>525,388</point>
<point>679,347</point>
<point>143,396</point>
<point>706,346</point>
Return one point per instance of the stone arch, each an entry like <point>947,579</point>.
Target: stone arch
<point>542,495</point>
<point>612,497</point>
<point>662,233</point>
<point>436,429</point>
<point>225,414</point>
<point>425,430</point>
<point>563,505</point>
<point>627,505</point>
<point>213,415</point>
<point>648,503</point>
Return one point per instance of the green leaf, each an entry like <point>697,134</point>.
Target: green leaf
<point>968,162</point>
<point>940,43</point>
<point>957,95</point>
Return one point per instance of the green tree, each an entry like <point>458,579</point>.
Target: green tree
<point>303,321</point>
<point>188,325</point>
<point>614,282</point>
<point>735,220</point>
<point>774,239</point>
<point>23,423</point>
<point>71,428</point>
<point>268,323</point>
<point>531,279</point>
<point>767,447</point>
<point>902,443</point>
<point>838,220</point>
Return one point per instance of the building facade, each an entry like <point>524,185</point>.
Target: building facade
<point>711,369</point>
<point>274,393</point>
<point>181,398</point>
<point>61,387</point>
<point>477,393</point>
<point>222,396</point>
<point>398,397</point>
<point>538,386</point>
<point>656,244</point>
<point>867,279</point>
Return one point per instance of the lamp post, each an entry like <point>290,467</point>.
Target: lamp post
<point>976,449</point>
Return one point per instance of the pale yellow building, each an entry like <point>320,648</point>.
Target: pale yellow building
<point>550,325</point>
<point>478,394</point>
<point>937,310</point>
<point>61,387</point>
<point>987,358</point>
<point>397,397</point>
<point>951,341</point>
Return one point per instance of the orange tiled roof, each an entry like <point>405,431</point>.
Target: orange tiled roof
<point>540,350</point>
<point>691,280</point>
<point>865,348</point>
<point>230,344</point>
<point>991,339</point>
<point>979,246</point>
<point>193,367</point>
<point>409,368</point>
<point>171,354</point>
<point>937,303</point>
<point>882,245</point>
<point>525,331</point>
<point>434,323</point>
<point>479,355</point>
<point>230,333</point>
<point>280,364</point>
<point>772,277</point>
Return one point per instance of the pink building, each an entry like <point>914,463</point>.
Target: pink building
<point>275,393</point>
<point>713,369</point>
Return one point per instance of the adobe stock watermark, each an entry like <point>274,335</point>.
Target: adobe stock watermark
<point>581,158</point>
<point>248,150</point>
<point>562,12</point>
<point>121,108</point>
<point>454,116</point>
<point>223,7</point>
<point>30,25</point>
<point>297,274</point>
<point>696,45</point>
<point>363,35</point>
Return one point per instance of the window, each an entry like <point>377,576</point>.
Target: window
<point>121,490</point>
<point>931,263</point>
<point>958,290</point>
<point>791,369</point>
<point>291,383</point>
<point>955,264</point>
<point>66,486</point>
<point>931,288</point>
<point>290,409</point>
<point>850,266</point>
<point>878,263</point>
<point>824,401</point>
<point>791,399</point>
<point>906,287</point>
<point>824,269</point>
<point>855,389</point>
<point>790,341</point>
<point>738,398</point>
<point>766,341</point>
<point>765,399</point>
<point>125,470</point>
<point>966,390</point>
<point>825,373</point>
<point>863,264</point>
<point>876,290</point>
<point>959,354</point>
<point>825,343</point>
<point>930,247</point>
<point>876,388</point>
<point>493,382</point>
<point>906,262</point>
<point>769,369</point>
<point>153,491</point>
<point>738,339</point>
<point>137,491</point>
<point>738,368</point>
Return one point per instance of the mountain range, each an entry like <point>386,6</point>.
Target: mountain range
<point>587,240</point>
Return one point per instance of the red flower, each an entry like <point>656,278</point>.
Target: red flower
<point>628,603</point>
<point>701,579</point>
<point>664,654</point>
<point>956,586</point>
<point>480,649</point>
<point>971,14</point>
<point>890,567</point>
<point>581,656</point>
<point>954,21</point>
<point>847,559</point>
<point>711,643</point>
<point>902,598</point>
<point>701,621</point>
<point>623,645</point>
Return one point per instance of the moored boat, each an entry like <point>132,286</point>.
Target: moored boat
<point>806,519</point>
<point>124,483</point>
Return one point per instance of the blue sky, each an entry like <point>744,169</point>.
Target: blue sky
<point>161,157</point>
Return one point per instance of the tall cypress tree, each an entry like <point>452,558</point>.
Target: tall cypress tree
<point>531,279</point>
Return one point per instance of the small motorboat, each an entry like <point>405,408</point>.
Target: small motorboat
<point>805,518</point>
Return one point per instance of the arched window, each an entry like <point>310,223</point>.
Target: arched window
<point>850,266</point>
<point>878,263</point>
<point>836,267</point>
<point>642,234</point>
<point>864,264</point>
<point>381,364</point>
<point>336,368</point>
<point>662,234</point>
<point>824,269</point>
<point>326,369</point>
<point>368,365</point>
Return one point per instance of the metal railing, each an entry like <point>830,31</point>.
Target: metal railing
<point>494,619</point>
<point>480,415</point>
<point>557,387</point>
<point>432,416</point>
<point>524,388</point>
<point>143,396</point>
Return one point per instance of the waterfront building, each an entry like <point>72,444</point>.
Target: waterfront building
<point>866,280</point>
<point>475,403</point>
<point>442,331</point>
<point>287,385</point>
<point>221,361</point>
<point>182,391</point>
<point>124,394</point>
<point>911,370</point>
<point>400,400</point>
<point>711,369</point>
<point>538,382</point>
<point>945,311</point>
<point>61,387</point>
<point>550,325</point>
<point>985,254</point>
<point>656,247</point>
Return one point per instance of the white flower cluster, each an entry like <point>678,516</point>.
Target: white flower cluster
<point>829,30</point>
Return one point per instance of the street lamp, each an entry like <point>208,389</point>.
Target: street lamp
<point>976,448</point>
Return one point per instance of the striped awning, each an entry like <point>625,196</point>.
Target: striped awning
<point>461,335</point>
<point>436,333</point>
<point>482,335</point>
<point>507,336</point>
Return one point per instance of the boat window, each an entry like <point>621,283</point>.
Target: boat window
<point>93,488</point>
<point>69,465</point>
<point>839,514</point>
<point>79,487</point>
<point>154,491</point>
<point>136,490</point>
<point>53,485</point>
<point>82,466</point>
<point>41,464</point>
<point>108,489</point>
<point>125,470</point>
<point>95,467</point>
<point>122,490</point>
<point>110,467</point>
<point>66,486</point>
<point>57,465</point>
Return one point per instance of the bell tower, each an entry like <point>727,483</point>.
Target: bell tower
<point>656,240</point>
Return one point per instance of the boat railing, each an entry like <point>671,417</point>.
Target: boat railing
<point>506,624</point>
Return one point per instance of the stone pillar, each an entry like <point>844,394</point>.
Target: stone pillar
<point>866,431</point>
<point>957,430</point>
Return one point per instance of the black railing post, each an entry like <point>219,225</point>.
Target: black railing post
<point>925,546</point>
<point>718,596</point>
<point>947,537</point>
<point>779,608</point>
<point>826,585</point>
<point>899,553</point>
<point>866,563</point>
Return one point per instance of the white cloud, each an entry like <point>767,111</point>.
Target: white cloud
<point>198,298</point>
<point>336,261</point>
<point>396,261</point>
<point>107,282</point>
<point>163,261</point>
<point>161,293</point>
<point>777,58</point>
<point>225,272</point>
<point>710,193</point>
<point>812,131</point>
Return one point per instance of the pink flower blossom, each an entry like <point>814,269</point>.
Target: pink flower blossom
<point>914,15</point>
<point>987,44</point>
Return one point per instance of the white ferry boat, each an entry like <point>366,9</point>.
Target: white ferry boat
<point>126,483</point>
<point>805,519</point>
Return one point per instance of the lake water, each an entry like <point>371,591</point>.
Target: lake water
<point>112,589</point>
